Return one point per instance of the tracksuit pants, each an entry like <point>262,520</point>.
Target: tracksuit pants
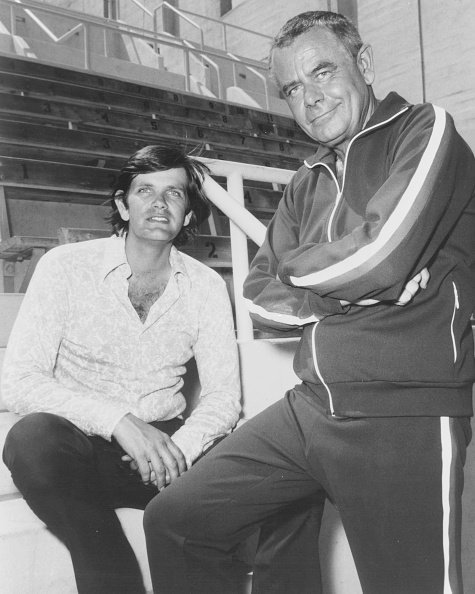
<point>397,483</point>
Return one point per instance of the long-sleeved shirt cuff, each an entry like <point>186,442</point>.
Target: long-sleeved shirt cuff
<point>190,443</point>
<point>107,422</point>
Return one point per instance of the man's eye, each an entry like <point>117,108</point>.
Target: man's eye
<point>322,75</point>
<point>175,193</point>
<point>292,92</point>
<point>143,190</point>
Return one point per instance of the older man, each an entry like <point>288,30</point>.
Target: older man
<point>381,420</point>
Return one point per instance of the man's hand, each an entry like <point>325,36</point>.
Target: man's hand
<point>152,452</point>
<point>412,287</point>
<point>420,281</point>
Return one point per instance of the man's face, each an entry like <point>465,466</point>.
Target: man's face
<point>156,205</point>
<point>326,89</point>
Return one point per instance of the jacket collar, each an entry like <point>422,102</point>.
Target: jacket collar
<point>390,107</point>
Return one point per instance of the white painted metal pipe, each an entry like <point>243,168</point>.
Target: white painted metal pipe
<point>242,222</point>
<point>235,211</point>
<point>240,256</point>
<point>254,172</point>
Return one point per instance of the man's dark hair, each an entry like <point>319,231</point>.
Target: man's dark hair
<point>336,23</point>
<point>158,158</point>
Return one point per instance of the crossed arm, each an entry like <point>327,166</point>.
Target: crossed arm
<point>406,220</point>
<point>410,290</point>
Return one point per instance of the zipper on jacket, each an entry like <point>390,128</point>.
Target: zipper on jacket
<point>337,202</point>
<point>452,333</point>
<point>329,236</point>
<point>340,190</point>
<point>317,369</point>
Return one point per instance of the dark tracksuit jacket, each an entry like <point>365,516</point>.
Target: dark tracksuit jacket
<point>406,202</point>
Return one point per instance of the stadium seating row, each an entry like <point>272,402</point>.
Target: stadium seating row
<point>33,78</point>
<point>65,134</point>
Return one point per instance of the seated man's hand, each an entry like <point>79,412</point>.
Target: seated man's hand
<point>150,451</point>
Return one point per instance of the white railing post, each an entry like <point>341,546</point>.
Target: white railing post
<point>225,38</point>
<point>186,57</point>
<point>243,224</point>
<point>231,207</point>
<point>12,20</point>
<point>104,31</point>
<point>87,48</point>
<point>240,259</point>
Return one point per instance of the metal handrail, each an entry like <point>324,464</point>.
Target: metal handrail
<point>57,10</point>
<point>180,14</point>
<point>87,19</point>
<point>226,25</point>
<point>102,23</point>
<point>154,38</point>
<point>231,25</point>
<point>236,61</point>
<point>144,8</point>
<point>211,63</point>
<point>242,223</point>
<point>49,33</point>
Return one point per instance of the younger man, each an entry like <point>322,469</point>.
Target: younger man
<point>95,365</point>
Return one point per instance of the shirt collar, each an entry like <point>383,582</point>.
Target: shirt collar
<point>115,257</point>
<point>177,262</point>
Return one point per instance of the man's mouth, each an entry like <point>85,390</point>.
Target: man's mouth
<point>322,115</point>
<point>158,219</point>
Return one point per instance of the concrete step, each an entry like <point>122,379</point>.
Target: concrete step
<point>33,561</point>
<point>7,487</point>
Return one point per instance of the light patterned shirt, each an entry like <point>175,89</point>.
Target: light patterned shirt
<point>79,350</point>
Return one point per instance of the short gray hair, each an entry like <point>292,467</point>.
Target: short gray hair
<point>336,23</point>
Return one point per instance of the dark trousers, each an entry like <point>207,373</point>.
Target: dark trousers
<point>74,483</point>
<point>397,483</point>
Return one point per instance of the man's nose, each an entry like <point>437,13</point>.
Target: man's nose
<point>312,94</point>
<point>159,200</point>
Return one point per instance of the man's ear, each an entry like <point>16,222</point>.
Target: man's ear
<point>187,218</point>
<point>123,210</point>
<point>364,61</point>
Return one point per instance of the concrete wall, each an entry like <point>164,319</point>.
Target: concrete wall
<point>133,15</point>
<point>448,52</point>
<point>267,18</point>
<point>92,7</point>
<point>392,30</point>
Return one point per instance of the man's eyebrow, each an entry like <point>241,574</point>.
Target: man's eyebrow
<point>289,85</point>
<point>319,66</point>
<point>323,65</point>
